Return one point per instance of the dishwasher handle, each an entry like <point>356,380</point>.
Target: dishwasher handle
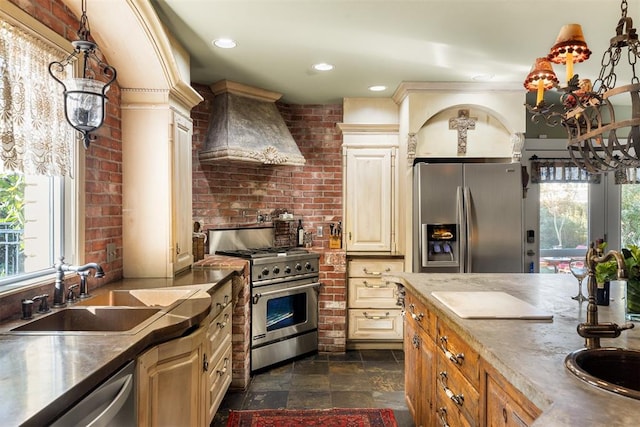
<point>112,403</point>
<point>106,417</point>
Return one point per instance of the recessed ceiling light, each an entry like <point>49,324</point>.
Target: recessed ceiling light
<point>225,43</point>
<point>377,88</point>
<point>483,77</point>
<point>322,66</point>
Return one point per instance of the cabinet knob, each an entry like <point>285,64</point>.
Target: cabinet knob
<point>205,363</point>
<point>415,341</point>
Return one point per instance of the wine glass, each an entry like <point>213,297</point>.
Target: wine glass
<point>579,271</point>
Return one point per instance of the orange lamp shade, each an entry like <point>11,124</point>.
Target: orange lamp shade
<point>540,78</point>
<point>571,43</point>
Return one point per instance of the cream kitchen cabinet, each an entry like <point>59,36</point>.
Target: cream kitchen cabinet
<point>373,313</point>
<point>370,198</point>
<point>182,224</point>
<point>170,382</point>
<point>157,189</point>
<point>182,381</point>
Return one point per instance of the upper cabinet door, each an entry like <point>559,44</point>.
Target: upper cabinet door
<point>369,198</point>
<point>182,227</point>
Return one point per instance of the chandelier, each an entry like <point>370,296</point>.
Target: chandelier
<point>597,142</point>
<point>85,97</point>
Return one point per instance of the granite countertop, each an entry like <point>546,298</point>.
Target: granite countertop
<point>41,375</point>
<point>529,353</point>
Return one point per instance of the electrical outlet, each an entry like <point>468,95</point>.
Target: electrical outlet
<point>112,252</point>
<point>320,231</point>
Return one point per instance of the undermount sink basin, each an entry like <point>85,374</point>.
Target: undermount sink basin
<point>613,369</point>
<point>138,298</point>
<point>91,320</point>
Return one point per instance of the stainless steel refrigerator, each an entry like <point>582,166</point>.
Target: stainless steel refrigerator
<point>468,218</point>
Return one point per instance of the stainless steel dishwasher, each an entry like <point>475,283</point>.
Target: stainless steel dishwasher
<point>111,404</point>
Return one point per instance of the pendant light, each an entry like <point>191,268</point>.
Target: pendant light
<point>85,97</point>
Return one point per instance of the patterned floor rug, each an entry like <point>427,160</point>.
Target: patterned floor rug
<point>313,418</point>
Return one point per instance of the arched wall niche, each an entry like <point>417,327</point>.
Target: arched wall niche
<point>488,135</point>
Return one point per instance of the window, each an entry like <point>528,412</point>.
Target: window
<point>38,203</point>
<point>630,215</point>
<point>564,209</point>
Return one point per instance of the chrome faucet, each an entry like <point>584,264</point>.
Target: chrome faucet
<point>591,330</point>
<point>61,267</point>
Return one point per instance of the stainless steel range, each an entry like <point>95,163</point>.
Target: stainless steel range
<point>284,294</point>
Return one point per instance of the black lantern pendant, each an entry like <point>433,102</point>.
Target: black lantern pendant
<point>85,97</point>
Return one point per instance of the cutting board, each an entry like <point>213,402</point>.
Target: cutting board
<point>489,305</point>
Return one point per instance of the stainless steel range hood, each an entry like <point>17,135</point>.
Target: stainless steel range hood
<point>246,126</point>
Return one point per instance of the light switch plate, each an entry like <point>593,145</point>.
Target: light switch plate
<point>112,252</point>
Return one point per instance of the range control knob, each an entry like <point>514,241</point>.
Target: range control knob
<point>287,269</point>
<point>298,267</point>
<point>276,270</point>
<point>265,271</point>
<point>308,266</point>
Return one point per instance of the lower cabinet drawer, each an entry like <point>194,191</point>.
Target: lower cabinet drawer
<point>449,414</point>
<point>365,293</point>
<point>219,332</point>
<point>219,381</point>
<point>374,324</point>
<point>455,392</point>
<point>221,298</point>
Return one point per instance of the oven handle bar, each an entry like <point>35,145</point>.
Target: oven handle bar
<point>257,296</point>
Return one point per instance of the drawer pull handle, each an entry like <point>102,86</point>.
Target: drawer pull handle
<point>375,273</point>
<point>370,286</point>
<point>386,316</point>
<point>416,317</point>
<point>451,355</point>
<point>223,324</point>
<point>224,304</point>
<point>458,399</point>
<point>442,414</point>
<point>223,371</point>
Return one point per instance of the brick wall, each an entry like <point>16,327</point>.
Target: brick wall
<point>230,195</point>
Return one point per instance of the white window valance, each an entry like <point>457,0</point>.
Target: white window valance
<point>34,135</point>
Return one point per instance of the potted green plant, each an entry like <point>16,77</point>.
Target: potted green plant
<point>605,272</point>
<point>632,263</point>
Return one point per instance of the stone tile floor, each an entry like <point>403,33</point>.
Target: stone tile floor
<point>355,379</point>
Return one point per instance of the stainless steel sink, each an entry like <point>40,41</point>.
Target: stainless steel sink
<point>92,320</point>
<point>138,298</point>
<point>613,369</point>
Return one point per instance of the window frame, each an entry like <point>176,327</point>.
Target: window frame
<point>71,232</point>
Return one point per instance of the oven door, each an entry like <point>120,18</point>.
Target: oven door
<point>283,310</point>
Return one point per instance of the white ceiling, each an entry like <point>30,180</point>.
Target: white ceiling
<point>380,42</point>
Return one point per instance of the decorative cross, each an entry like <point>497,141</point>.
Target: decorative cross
<point>462,123</point>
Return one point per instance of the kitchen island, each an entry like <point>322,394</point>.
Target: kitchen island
<point>530,354</point>
<point>44,374</point>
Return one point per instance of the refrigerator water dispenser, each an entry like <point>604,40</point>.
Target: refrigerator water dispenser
<point>440,245</point>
